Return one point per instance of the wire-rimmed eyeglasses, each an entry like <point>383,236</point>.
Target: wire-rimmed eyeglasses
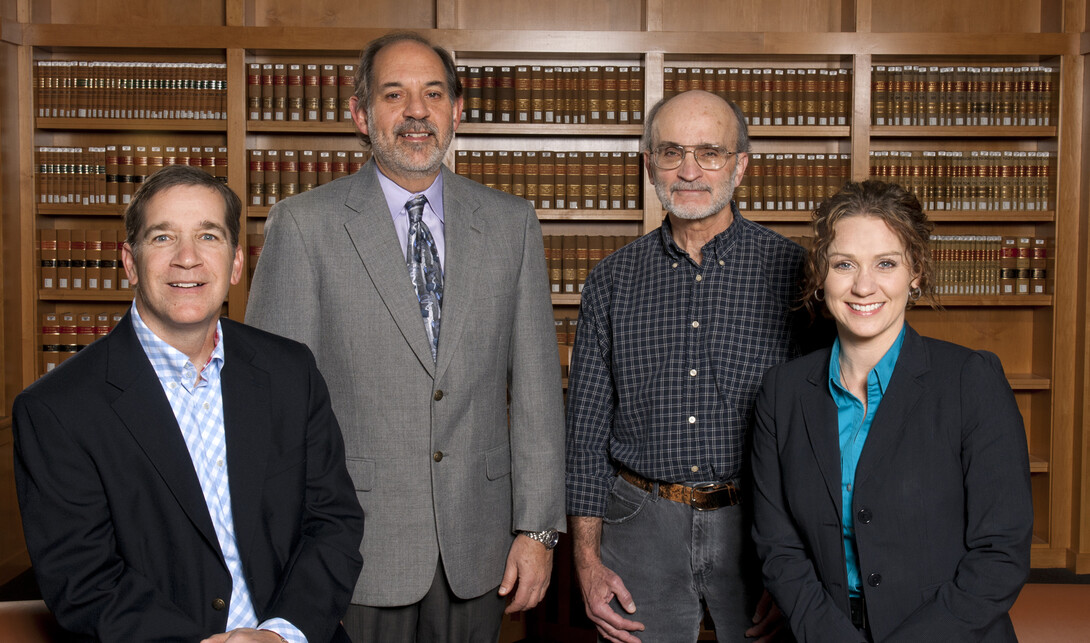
<point>708,157</point>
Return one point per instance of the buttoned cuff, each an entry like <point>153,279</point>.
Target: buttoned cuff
<point>285,629</point>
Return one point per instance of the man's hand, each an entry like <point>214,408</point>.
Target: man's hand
<point>529,567</point>
<point>600,585</point>
<point>245,635</point>
<point>768,620</point>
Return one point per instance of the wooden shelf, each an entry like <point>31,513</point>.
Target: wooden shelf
<point>50,294</point>
<point>991,217</point>
<point>262,211</point>
<point>1029,382</point>
<point>72,210</point>
<point>565,300</point>
<point>997,131</point>
<point>800,131</point>
<point>1037,465</point>
<point>995,300</point>
<point>133,124</point>
<point>778,216</point>
<point>549,129</point>
<point>590,215</point>
<point>303,127</point>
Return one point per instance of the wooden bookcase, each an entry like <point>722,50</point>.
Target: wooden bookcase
<point>1041,340</point>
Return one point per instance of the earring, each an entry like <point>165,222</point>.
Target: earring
<point>819,294</point>
<point>914,293</point>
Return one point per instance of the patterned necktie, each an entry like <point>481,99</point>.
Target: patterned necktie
<point>422,258</point>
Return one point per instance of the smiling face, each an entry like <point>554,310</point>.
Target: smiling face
<point>182,264</point>
<point>867,284</point>
<point>689,191</point>
<point>413,115</point>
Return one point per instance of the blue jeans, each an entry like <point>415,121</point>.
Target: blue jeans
<point>672,558</point>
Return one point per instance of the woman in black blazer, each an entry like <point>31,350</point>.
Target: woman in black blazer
<point>891,474</point>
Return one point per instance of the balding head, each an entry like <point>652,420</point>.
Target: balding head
<point>705,106</point>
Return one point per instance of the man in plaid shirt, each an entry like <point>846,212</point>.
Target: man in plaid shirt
<point>675,332</point>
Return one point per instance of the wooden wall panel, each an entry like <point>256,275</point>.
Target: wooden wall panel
<point>961,16</point>
<point>404,14</point>
<point>745,15</point>
<point>578,15</point>
<point>13,556</point>
<point>130,12</point>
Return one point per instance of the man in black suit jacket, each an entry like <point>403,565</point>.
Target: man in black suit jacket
<point>184,478</point>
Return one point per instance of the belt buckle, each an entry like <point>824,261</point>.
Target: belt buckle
<point>712,498</point>
<point>705,503</point>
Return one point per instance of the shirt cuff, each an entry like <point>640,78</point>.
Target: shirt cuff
<point>285,629</point>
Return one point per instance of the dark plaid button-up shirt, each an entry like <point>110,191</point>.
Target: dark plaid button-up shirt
<point>669,355</point>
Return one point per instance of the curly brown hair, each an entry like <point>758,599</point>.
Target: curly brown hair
<point>901,211</point>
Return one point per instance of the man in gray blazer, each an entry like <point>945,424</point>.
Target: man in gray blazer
<point>441,360</point>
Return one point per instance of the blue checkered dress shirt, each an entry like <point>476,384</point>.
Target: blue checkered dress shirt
<point>669,355</point>
<point>197,400</point>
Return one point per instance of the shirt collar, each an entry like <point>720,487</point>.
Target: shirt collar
<point>717,246</point>
<point>882,371</point>
<point>397,196</point>
<point>169,362</point>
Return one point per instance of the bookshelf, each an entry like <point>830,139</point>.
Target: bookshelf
<point>1042,339</point>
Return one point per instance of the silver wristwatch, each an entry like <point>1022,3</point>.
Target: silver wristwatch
<point>549,537</point>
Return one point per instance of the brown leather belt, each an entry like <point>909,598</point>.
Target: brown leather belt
<point>703,497</point>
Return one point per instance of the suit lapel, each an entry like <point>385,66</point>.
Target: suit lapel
<point>820,414</point>
<point>902,395</point>
<point>144,410</point>
<point>373,235</point>
<point>246,407</point>
<point>464,245</point>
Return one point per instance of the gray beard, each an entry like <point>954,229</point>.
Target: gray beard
<point>386,152</point>
<point>692,213</point>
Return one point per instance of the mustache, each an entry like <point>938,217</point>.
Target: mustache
<point>690,185</point>
<point>416,125</point>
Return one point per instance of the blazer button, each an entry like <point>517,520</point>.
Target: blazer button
<point>874,580</point>
<point>437,456</point>
<point>219,604</point>
<point>865,516</point>
<point>438,395</point>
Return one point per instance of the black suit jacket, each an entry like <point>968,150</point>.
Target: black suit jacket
<point>115,521</point>
<point>943,514</point>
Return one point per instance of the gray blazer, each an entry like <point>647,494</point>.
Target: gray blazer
<point>942,499</point>
<point>448,458</point>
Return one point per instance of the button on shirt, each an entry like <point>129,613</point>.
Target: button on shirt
<point>397,197</point>
<point>854,425</point>
<point>197,401</point>
<point>669,355</point>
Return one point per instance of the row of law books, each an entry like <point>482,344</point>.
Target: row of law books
<point>915,95</point>
<point>129,90</point>
<point>299,92</point>
<point>991,265</point>
<point>79,259</point>
<point>570,258</point>
<point>791,181</point>
<point>565,340</point>
<point>971,180</point>
<point>605,94</point>
<point>110,174</point>
<point>278,174</point>
<point>63,334</point>
<point>558,180</point>
<point>772,96</point>
<point>254,244</point>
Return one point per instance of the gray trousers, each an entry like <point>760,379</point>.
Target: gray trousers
<point>439,617</point>
<point>672,558</point>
